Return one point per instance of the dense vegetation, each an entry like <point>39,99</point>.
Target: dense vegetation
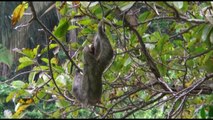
<point>162,65</point>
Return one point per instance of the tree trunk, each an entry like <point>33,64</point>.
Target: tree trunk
<point>23,37</point>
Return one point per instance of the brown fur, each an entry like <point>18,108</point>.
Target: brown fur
<point>87,88</point>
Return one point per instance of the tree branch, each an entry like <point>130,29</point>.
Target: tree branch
<point>35,17</point>
<point>149,59</point>
<point>142,105</point>
<point>185,31</point>
<point>25,72</point>
<point>192,57</point>
<point>47,30</point>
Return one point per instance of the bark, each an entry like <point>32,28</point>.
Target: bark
<point>25,37</point>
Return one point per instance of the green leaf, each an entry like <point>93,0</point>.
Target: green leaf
<point>18,84</point>
<point>61,80</point>
<point>41,93</point>
<point>45,60</point>
<point>23,65</point>
<point>62,28</point>
<point>10,96</point>
<point>210,115</point>
<point>35,50</point>
<point>28,52</point>
<point>64,9</point>
<point>178,4</point>
<point>208,66</point>
<point>119,92</point>
<point>207,56</point>
<point>54,61</point>
<point>75,113</point>
<point>206,32</point>
<point>58,69</point>
<point>41,68</point>
<point>56,114</point>
<point>161,42</point>
<point>119,62</point>
<point>144,16</point>
<point>25,4</point>
<point>75,45</point>
<point>31,77</point>
<point>211,38</point>
<point>25,59</point>
<point>191,43</point>
<point>5,56</point>
<point>51,46</point>
<point>62,103</point>
<point>126,7</point>
<point>162,69</point>
<point>84,32</point>
<point>128,61</point>
<point>203,113</point>
<point>185,6</point>
<point>84,22</point>
<point>72,27</point>
<point>198,31</point>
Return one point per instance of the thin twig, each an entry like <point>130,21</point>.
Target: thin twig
<point>47,30</point>
<point>51,72</point>
<point>22,73</point>
<point>35,17</point>
<point>176,12</point>
<point>149,59</point>
<point>113,107</point>
<point>180,107</point>
<point>102,9</point>
<point>185,31</point>
<point>154,9</point>
<point>141,106</point>
<point>172,112</point>
<point>200,54</point>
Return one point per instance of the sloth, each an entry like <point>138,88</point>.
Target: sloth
<point>87,87</point>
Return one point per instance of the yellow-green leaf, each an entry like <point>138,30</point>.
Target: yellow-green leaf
<point>19,109</point>
<point>85,22</point>
<point>10,96</point>
<point>56,114</point>
<point>24,59</point>
<point>72,27</point>
<point>54,61</point>
<point>75,113</point>
<point>24,64</point>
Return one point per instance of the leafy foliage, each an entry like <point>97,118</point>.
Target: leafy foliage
<point>5,56</point>
<point>162,66</point>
